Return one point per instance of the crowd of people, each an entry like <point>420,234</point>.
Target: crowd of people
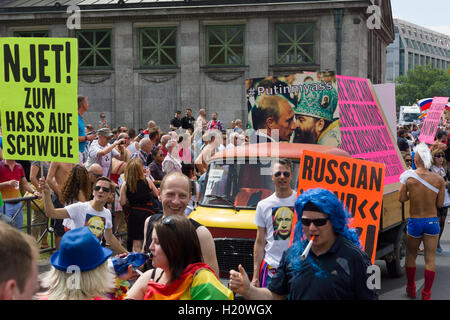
<point>128,175</point>
<point>151,178</point>
<point>426,185</point>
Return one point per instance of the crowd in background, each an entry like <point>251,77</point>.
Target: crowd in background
<point>129,165</point>
<point>408,138</point>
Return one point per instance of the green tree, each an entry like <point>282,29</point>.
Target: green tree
<point>421,82</point>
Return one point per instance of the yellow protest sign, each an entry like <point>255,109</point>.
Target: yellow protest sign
<point>38,98</point>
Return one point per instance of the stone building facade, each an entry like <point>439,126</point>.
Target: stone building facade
<point>415,46</point>
<point>145,59</point>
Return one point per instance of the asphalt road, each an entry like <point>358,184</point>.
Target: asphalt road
<point>395,288</point>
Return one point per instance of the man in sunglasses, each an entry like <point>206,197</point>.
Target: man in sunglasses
<point>81,213</point>
<point>273,218</point>
<point>334,269</point>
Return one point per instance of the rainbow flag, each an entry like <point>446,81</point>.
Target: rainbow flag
<point>197,282</point>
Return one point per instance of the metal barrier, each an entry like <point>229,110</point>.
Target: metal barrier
<point>26,202</point>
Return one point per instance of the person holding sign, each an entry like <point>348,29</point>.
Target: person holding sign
<point>83,106</point>
<point>425,190</point>
<point>334,269</point>
<point>440,167</point>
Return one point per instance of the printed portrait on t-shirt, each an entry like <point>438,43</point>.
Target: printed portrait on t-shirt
<point>282,222</point>
<point>96,224</point>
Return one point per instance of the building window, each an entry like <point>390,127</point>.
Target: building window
<point>225,45</point>
<point>422,60</point>
<point>410,60</point>
<point>402,62</point>
<point>31,34</point>
<point>408,43</point>
<point>158,46</point>
<point>94,48</point>
<point>294,43</point>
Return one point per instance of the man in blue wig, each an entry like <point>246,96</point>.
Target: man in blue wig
<point>336,267</point>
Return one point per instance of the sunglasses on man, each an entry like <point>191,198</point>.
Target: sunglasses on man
<point>277,174</point>
<point>105,189</point>
<point>317,222</point>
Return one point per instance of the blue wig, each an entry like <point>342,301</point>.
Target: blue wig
<point>330,205</point>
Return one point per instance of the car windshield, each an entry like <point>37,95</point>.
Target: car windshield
<point>410,117</point>
<point>239,184</point>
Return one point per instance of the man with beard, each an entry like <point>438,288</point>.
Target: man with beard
<point>314,117</point>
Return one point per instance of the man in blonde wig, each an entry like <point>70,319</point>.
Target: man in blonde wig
<point>425,190</point>
<point>79,269</point>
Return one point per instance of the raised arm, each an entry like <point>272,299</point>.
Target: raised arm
<point>49,208</point>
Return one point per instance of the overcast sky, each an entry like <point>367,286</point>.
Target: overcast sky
<point>431,14</point>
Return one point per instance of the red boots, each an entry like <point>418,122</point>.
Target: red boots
<point>429,279</point>
<point>411,285</point>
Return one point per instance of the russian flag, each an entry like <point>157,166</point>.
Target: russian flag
<point>425,104</point>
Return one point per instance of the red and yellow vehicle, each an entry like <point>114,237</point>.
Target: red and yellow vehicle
<point>238,178</point>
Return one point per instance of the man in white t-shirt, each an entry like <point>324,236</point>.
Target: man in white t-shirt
<point>101,151</point>
<point>91,213</point>
<point>273,218</point>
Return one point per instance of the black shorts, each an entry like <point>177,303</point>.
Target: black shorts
<point>442,212</point>
<point>57,224</point>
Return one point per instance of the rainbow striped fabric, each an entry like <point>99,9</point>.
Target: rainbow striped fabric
<point>197,282</point>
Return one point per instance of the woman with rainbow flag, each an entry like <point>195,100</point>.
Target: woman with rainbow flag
<point>179,272</point>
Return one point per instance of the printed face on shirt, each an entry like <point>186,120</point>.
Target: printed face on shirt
<point>282,222</point>
<point>96,225</point>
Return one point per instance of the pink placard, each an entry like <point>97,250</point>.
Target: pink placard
<point>430,126</point>
<point>365,135</point>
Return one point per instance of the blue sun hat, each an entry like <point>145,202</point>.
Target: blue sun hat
<point>79,247</point>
